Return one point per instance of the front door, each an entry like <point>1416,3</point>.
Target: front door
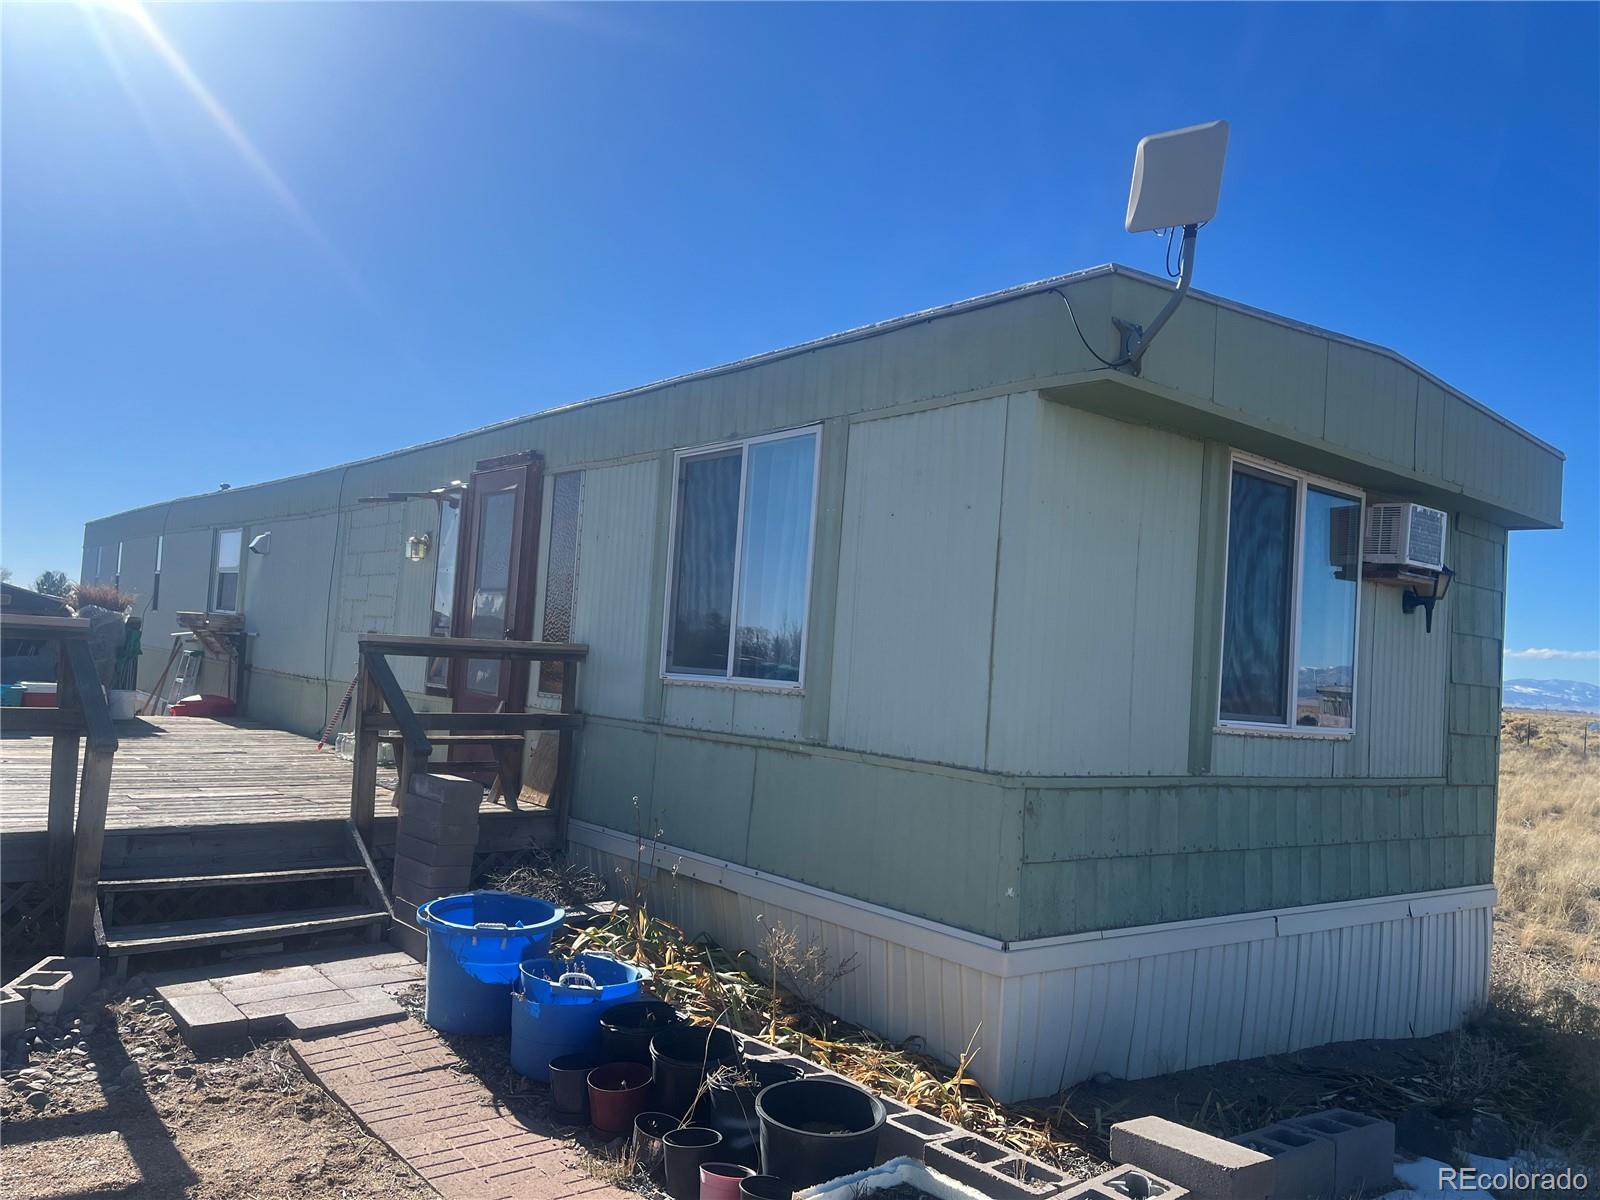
<point>499,549</point>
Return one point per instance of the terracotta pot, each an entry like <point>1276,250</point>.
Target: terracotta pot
<point>720,1180</point>
<point>617,1094</point>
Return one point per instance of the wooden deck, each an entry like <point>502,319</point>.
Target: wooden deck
<point>179,772</point>
<point>188,792</point>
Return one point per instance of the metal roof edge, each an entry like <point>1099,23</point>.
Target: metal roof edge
<point>1335,336</point>
<point>872,329</point>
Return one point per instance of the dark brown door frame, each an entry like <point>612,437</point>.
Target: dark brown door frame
<point>525,472</point>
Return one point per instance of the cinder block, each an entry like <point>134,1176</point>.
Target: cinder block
<point>208,1021</point>
<point>1126,1183</point>
<point>341,1018</point>
<point>434,853</point>
<point>56,984</point>
<point>420,818</point>
<point>448,793</point>
<point>404,933</point>
<point>1205,1165</point>
<point>418,884</point>
<point>1363,1147</point>
<point>1305,1161</point>
<point>992,1169</point>
<point>907,1134</point>
<point>13,1012</point>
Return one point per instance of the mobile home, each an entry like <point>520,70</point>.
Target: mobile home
<point>1081,706</point>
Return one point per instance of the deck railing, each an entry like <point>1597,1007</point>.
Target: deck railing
<point>383,713</point>
<point>73,848</point>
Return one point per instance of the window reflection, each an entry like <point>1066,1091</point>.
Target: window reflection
<point>777,528</point>
<point>1330,576</point>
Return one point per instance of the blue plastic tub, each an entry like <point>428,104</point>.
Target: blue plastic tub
<point>476,945</point>
<point>557,1010</point>
<point>11,695</point>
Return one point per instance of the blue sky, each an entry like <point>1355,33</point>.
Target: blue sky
<point>303,233</point>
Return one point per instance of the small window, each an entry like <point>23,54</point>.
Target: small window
<point>444,586</point>
<point>116,580</point>
<point>1289,611</point>
<point>741,560</point>
<point>561,573</point>
<point>155,584</point>
<point>225,591</point>
<point>99,561</point>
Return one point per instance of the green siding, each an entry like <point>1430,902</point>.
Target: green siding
<point>1026,590</point>
<point>1113,858</point>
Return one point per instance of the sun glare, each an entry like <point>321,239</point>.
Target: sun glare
<point>139,17</point>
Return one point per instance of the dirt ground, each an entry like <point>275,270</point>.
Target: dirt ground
<point>1519,1078</point>
<point>110,1102</point>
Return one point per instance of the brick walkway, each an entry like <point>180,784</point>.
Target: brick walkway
<point>397,1080</point>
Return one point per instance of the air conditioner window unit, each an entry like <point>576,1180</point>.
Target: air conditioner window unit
<point>1405,535</point>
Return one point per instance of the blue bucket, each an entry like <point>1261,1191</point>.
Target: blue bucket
<point>557,1009</point>
<point>476,944</point>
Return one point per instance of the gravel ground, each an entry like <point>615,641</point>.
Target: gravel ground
<point>110,1102</point>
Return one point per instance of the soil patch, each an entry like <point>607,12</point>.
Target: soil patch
<point>110,1102</point>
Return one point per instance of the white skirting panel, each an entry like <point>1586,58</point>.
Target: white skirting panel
<point>1045,1014</point>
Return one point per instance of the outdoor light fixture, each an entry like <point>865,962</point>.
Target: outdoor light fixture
<point>1410,599</point>
<point>417,546</point>
<point>261,543</point>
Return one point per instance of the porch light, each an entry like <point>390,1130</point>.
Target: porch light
<point>1411,599</point>
<point>417,546</point>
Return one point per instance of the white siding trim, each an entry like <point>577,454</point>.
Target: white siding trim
<point>1134,1002</point>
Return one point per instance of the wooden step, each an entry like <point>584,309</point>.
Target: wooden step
<point>219,931</point>
<point>241,879</point>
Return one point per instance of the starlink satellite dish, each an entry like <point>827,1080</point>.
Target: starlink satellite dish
<point>1177,177</point>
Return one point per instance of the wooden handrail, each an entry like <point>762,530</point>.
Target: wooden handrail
<point>471,722</point>
<point>400,713</point>
<point>382,705</point>
<point>75,846</point>
<point>442,647</point>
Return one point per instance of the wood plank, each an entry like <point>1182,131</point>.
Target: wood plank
<point>214,931</point>
<point>243,879</point>
<point>472,648</point>
<point>25,625</point>
<point>62,804</point>
<point>478,722</point>
<point>457,739</point>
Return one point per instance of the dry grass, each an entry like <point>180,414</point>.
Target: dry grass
<point>1547,855</point>
<point>1534,1057</point>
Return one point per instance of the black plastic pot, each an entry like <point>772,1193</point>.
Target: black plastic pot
<point>730,1108</point>
<point>765,1187</point>
<point>626,1029</point>
<point>681,1057</point>
<point>814,1130</point>
<point>648,1130</point>
<point>685,1149</point>
<point>569,1084</point>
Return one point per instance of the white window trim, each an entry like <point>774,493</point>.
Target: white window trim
<point>743,446</point>
<point>216,570</point>
<point>1302,480</point>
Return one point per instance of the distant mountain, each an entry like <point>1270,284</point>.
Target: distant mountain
<point>1567,695</point>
